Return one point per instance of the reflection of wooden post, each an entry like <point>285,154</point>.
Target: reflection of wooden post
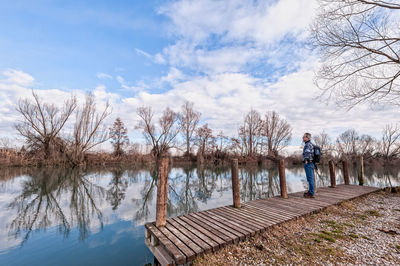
<point>315,181</point>
<point>235,183</point>
<point>332,173</point>
<point>162,182</point>
<point>346,173</point>
<point>282,179</point>
<point>361,174</point>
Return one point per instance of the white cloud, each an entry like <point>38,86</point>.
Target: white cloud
<point>103,76</point>
<point>18,77</point>
<point>157,58</point>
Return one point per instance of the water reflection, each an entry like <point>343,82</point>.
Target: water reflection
<point>41,203</point>
<point>85,205</point>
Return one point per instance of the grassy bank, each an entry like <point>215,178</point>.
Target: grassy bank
<point>361,231</point>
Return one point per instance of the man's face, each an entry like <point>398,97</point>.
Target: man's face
<point>305,138</point>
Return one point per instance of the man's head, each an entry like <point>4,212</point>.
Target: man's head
<point>306,137</point>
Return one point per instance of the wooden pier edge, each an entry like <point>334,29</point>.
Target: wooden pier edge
<point>173,247</point>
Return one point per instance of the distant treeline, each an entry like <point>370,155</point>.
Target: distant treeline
<point>69,134</point>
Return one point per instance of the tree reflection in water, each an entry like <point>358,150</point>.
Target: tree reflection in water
<point>117,188</point>
<point>64,198</point>
<point>146,193</point>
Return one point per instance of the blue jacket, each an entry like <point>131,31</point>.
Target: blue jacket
<point>308,151</point>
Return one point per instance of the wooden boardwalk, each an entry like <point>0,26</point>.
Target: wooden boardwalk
<point>185,237</point>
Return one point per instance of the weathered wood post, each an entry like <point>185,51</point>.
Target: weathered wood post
<point>315,181</point>
<point>282,179</point>
<point>235,183</point>
<point>332,173</point>
<point>361,174</point>
<point>346,173</point>
<point>162,182</point>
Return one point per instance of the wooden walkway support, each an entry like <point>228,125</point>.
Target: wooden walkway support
<point>282,179</point>
<point>162,184</point>
<point>235,183</point>
<point>361,173</point>
<point>346,173</point>
<point>332,174</point>
<point>185,237</point>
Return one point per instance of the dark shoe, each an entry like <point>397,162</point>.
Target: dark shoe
<point>306,194</point>
<point>309,196</point>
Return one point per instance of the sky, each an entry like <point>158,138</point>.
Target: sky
<point>227,57</point>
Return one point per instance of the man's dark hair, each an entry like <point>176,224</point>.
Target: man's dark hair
<point>308,135</point>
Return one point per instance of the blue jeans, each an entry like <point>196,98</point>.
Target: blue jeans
<point>309,168</point>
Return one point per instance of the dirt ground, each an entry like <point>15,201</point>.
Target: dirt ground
<point>362,231</point>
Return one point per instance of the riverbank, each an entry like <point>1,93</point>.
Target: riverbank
<point>361,231</point>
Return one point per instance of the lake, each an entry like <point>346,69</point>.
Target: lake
<point>56,216</point>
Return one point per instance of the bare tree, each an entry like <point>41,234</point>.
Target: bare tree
<point>43,122</point>
<point>89,130</point>
<point>119,136</point>
<point>323,140</point>
<point>221,141</point>
<point>390,144</point>
<point>366,146</point>
<point>350,144</point>
<point>359,41</point>
<point>277,131</point>
<point>205,138</point>
<point>347,143</point>
<point>250,131</point>
<point>188,121</point>
<point>161,138</point>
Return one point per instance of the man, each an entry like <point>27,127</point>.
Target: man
<point>308,155</point>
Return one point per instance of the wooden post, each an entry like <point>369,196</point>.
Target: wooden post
<point>332,173</point>
<point>235,183</point>
<point>361,174</point>
<point>346,173</point>
<point>315,181</point>
<point>282,179</point>
<point>162,182</point>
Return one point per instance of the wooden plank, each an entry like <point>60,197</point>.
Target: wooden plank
<point>178,243</point>
<point>230,223</point>
<point>200,234</point>
<point>267,218</point>
<point>182,237</point>
<point>210,226</point>
<point>300,203</point>
<point>160,253</point>
<point>287,207</point>
<point>197,217</point>
<point>266,207</point>
<point>329,198</point>
<point>272,214</point>
<point>255,218</point>
<point>178,255</point>
<point>205,230</point>
<point>240,219</point>
<point>223,225</point>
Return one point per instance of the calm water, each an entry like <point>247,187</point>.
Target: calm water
<point>72,217</point>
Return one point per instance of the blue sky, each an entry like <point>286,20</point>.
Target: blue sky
<point>64,44</point>
<point>225,56</point>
